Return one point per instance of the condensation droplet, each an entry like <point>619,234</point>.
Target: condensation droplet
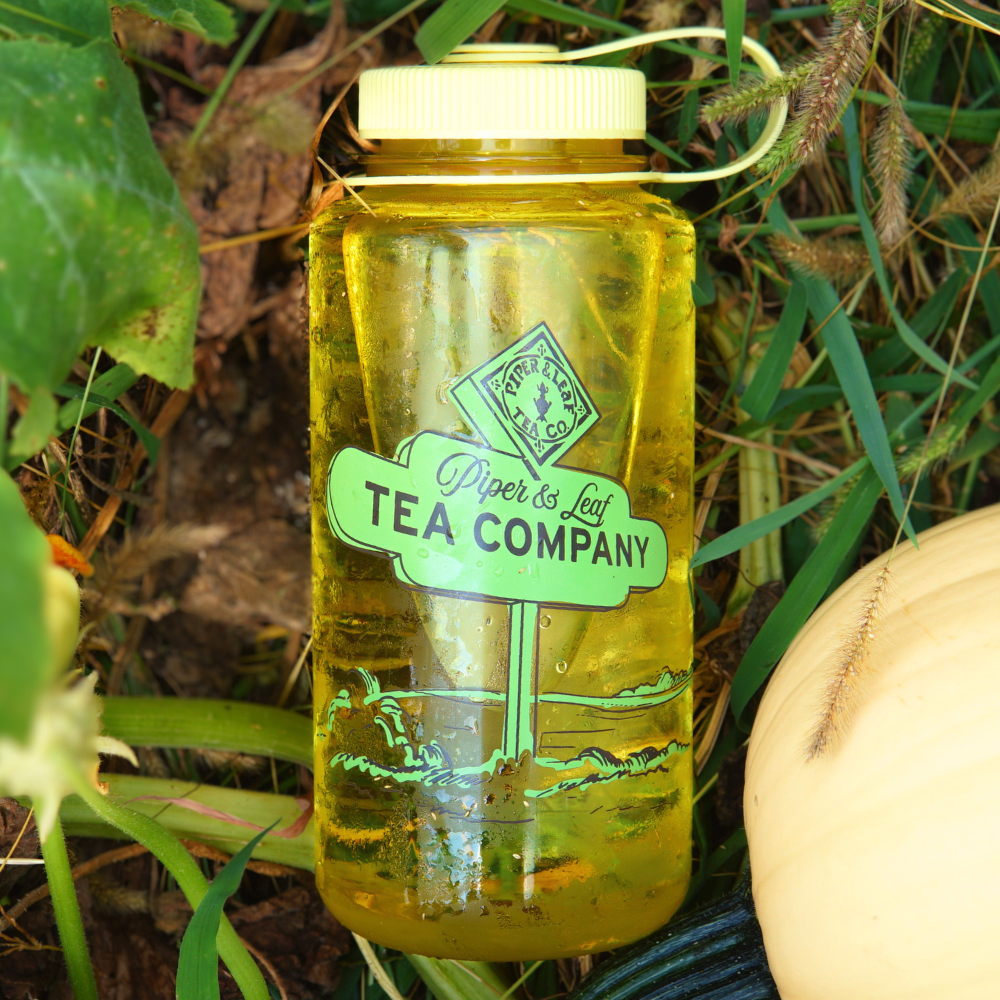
<point>561,666</point>
<point>544,622</point>
<point>423,553</point>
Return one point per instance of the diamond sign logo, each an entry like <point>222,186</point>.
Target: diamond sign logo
<point>531,393</point>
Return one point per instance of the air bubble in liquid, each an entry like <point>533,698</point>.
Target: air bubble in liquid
<point>544,622</point>
<point>561,666</point>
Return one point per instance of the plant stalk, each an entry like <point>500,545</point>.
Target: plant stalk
<point>67,910</point>
<point>236,726</point>
<point>175,858</point>
<point>242,54</point>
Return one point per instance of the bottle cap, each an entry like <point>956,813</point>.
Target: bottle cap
<point>502,92</point>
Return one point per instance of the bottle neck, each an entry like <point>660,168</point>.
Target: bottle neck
<point>501,156</point>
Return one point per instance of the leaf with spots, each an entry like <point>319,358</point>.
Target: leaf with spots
<point>97,247</point>
<point>208,19</point>
<point>73,21</point>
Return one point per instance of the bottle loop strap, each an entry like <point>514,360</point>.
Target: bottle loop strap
<point>766,62</point>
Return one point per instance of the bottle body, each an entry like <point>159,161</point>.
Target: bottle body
<point>502,633</point>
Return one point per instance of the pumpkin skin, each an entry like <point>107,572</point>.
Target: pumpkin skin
<point>876,866</point>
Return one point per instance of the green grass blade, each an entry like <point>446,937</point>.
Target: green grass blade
<point>852,144</point>
<point>928,321</point>
<point>734,14</point>
<point>745,534</point>
<point>451,24</point>
<point>571,14</point>
<point>198,969</point>
<point>760,394</point>
<point>147,797</point>
<point>450,980</point>
<point>803,594</point>
<point>989,284</point>
<point>849,364</point>
<point>149,440</point>
<point>110,385</point>
<point>236,726</point>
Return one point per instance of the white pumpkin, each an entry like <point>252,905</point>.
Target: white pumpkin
<point>876,864</point>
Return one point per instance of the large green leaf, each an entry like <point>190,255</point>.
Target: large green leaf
<point>74,21</point>
<point>198,970</point>
<point>451,24</point>
<point>24,642</point>
<point>206,18</point>
<point>96,246</point>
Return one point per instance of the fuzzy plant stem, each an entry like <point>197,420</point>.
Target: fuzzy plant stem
<point>242,54</point>
<point>67,910</point>
<point>171,852</point>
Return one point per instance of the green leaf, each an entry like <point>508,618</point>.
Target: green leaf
<point>453,981</point>
<point>149,440</point>
<point>96,245</point>
<point>745,534</point>
<point>852,145</point>
<point>803,594</point>
<point>849,364</point>
<point>760,394</point>
<point>25,649</point>
<point>207,19</point>
<point>734,14</point>
<point>451,24</point>
<point>974,12</point>
<point>989,283</point>
<point>110,385</point>
<point>75,22</point>
<point>32,432</point>
<point>198,970</point>
<point>567,13</point>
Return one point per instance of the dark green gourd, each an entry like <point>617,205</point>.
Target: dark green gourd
<point>715,953</point>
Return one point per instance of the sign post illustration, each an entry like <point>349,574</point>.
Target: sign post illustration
<point>499,520</point>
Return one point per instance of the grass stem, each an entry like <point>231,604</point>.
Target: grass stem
<point>175,858</point>
<point>242,54</point>
<point>67,910</point>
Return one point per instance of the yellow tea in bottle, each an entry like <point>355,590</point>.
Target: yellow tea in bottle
<point>502,442</point>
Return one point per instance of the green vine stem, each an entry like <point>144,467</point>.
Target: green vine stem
<point>171,852</point>
<point>67,910</point>
<point>149,797</point>
<point>235,726</point>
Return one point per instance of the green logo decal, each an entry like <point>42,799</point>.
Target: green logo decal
<point>532,392</point>
<point>500,521</point>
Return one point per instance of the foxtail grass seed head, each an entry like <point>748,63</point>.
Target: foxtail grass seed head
<point>701,69</point>
<point>976,196</point>
<point>851,673</point>
<point>823,95</point>
<point>945,442</point>
<point>755,94</point>
<point>892,163</point>
<point>840,64</point>
<point>661,15</point>
<point>925,33</point>
<point>839,259</point>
